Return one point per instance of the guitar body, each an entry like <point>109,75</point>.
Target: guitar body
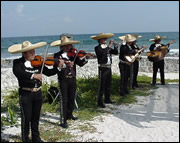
<point>155,56</point>
<point>130,58</point>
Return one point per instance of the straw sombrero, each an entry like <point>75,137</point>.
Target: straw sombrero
<point>157,37</point>
<point>137,36</point>
<point>128,38</point>
<point>64,41</point>
<point>24,47</point>
<point>102,35</point>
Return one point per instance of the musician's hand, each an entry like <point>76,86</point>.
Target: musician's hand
<point>136,50</point>
<point>168,45</point>
<point>38,76</point>
<point>61,62</point>
<point>110,43</point>
<point>70,64</point>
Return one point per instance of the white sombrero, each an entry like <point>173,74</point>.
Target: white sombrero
<point>137,36</point>
<point>24,47</point>
<point>128,38</point>
<point>102,35</point>
<point>157,37</point>
<point>64,41</point>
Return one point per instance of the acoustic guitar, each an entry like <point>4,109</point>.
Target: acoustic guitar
<point>132,58</point>
<point>158,55</point>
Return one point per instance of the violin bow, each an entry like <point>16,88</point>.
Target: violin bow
<point>45,55</point>
<point>77,52</point>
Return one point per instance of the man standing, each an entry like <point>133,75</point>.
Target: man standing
<point>135,63</point>
<point>124,65</point>
<point>30,81</point>
<point>156,46</point>
<point>67,76</point>
<point>104,57</point>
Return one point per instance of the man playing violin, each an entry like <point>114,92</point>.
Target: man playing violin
<point>104,57</point>
<point>67,76</point>
<point>30,81</point>
<point>158,64</point>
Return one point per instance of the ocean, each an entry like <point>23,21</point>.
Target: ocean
<point>86,43</point>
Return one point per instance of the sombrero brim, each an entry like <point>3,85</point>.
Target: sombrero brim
<point>163,37</point>
<point>17,48</point>
<point>137,36</point>
<point>101,36</point>
<point>58,43</point>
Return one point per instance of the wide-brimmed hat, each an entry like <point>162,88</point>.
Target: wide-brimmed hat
<point>157,37</point>
<point>24,47</point>
<point>128,38</point>
<point>64,41</point>
<point>102,35</point>
<point>137,36</point>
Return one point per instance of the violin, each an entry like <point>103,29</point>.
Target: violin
<point>50,61</point>
<point>81,53</point>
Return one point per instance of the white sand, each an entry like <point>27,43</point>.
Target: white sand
<point>152,118</point>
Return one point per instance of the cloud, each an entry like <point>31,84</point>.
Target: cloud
<point>19,10</point>
<point>68,19</point>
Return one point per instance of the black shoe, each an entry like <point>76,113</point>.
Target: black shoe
<point>163,83</point>
<point>127,92</point>
<point>64,125</point>
<point>72,117</point>
<point>122,94</point>
<point>27,140</point>
<point>153,84</point>
<point>109,102</point>
<point>101,105</point>
<point>133,87</point>
<point>37,140</point>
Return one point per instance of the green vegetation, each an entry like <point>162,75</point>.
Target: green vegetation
<point>87,90</point>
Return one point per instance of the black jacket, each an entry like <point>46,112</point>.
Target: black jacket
<point>125,50</point>
<point>102,54</point>
<point>64,71</point>
<point>24,73</point>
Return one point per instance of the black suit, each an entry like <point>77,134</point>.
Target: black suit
<point>156,66</point>
<point>104,69</point>
<point>135,68</point>
<point>124,68</point>
<point>30,102</point>
<point>67,84</point>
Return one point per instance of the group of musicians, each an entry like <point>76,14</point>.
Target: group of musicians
<point>30,77</point>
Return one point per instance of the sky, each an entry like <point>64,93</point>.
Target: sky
<point>41,18</point>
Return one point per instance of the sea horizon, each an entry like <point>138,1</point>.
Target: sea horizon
<point>86,43</point>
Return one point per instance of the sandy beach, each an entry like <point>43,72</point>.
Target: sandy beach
<point>153,118</point>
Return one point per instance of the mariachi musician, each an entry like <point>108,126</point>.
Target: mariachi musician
<point>135,63</point>
<point>158,64</point>
<point>124,65</point>
<point>67,76</point>
<point>30,80</point>
<point>104,57</point>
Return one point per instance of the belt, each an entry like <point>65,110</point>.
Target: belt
<point>124,62</point>
<point>31,89</point>
<point>105,66</point>
<point>70,76</point>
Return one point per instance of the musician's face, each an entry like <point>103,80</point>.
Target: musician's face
<point>66,48</point>
<point>29,55</point>
<point>158,41</point>
<point>102,41</point>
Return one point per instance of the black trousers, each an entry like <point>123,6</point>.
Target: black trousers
<point>105,78</point>
<point>125,72</point>
<point>68,92</point>
<point>156,66</point>
<point>135,72</point>
<point>30,105</point>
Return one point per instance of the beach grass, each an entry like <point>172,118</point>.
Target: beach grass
<point>87,91</point>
